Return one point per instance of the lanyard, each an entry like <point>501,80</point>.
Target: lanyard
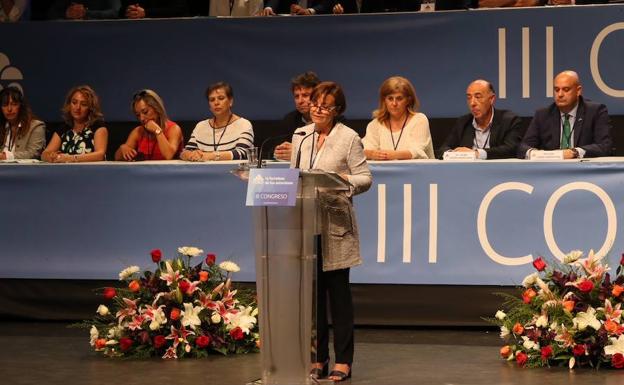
<point>216,144</point>
<point>396,145</point>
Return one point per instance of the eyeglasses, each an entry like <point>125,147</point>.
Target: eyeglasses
<point>139,94</point>
<point>323,109</point>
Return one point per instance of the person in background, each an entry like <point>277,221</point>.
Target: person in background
<point>84,9</point>
<point>13,10</point>
<point>132,9</point>
<point>157,138</point>
<point>235,7</point>
<point>83,137</point>
<point>331,146</point>
<point>21,135</point>
<point>225,136</point>
<point>487,131</point>
<point>297,7</point>
<point>398,131</point>
<point>301,87</point>
<point>578,127</point>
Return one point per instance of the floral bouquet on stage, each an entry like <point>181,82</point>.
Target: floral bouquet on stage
<point>182,309</point>
<point>569,314</point>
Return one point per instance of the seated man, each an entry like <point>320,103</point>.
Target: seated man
<point>489,132</point>
<point>582,129</point>
<point>84,9</point>
<point>301,87</point>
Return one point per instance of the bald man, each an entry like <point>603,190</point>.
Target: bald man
<point>582,129</point>
<point>488,132</point>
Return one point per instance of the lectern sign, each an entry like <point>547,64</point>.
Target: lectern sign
<point>272,187</point>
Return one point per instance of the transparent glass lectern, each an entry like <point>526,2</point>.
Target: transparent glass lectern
<point>285,240</point>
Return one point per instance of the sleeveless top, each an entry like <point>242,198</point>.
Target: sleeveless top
<point>148,145</point>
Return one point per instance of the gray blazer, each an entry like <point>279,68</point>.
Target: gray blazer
<point>30,145</point>
<point>342,153</point>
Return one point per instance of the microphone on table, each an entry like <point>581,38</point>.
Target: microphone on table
<point>270,138</point>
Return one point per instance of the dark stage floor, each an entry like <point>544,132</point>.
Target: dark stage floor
<point>51,354</point>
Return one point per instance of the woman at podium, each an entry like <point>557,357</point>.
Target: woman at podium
<point>331,146</point>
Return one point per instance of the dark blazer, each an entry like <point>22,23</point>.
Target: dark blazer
<point>591,131</point>
<point>283,6</point>
<point>505,134</point>
<point>158,8</point>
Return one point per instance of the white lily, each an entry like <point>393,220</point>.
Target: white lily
<point>504,332</point>
<point>572,256</point>
<point>242,319</point>
<point>585,319</point>
<point>530,345</point>
<point>542,321</point>
<point>500,315</point>
<point>190,315</point>
<point>94,335</point>
<point>617,346</point>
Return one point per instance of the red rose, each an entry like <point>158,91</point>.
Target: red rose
<point>617,360</point>
<point>125,344</point>
<point>237,333</point>
<point>159,341</point>
<point>211,259</point>
<point>539,264</point>
<point>175,314</point>
<point>578,350</point>
<point>547,352</point>
<point>586,286</point>
<point>202,341</point>
<point>156,255</point>
<point>521,358</point>
<point>109,292</point>
<point>184,285</point>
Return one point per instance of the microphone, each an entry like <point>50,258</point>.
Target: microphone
<point>300,144</point>
<point>271,138</point>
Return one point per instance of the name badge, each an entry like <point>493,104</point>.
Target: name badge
<point>546,155</point>
<point>459,155</point>
<point>272,187</point>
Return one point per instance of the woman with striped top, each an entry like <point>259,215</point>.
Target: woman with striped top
<point>226,136</point>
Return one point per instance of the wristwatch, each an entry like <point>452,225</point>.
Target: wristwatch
<point>158,132</point>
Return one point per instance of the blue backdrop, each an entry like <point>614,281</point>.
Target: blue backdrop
<point>440,52</point>
<point>422,222</point>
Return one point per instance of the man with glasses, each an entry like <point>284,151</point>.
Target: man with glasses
<point>578,127</point>
<point>301,87</point>
<point>488,132</point>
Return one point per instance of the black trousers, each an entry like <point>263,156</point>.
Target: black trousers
<point>334,286</point>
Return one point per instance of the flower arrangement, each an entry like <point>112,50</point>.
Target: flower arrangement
<point>569,314</point>
<point>178,310</point>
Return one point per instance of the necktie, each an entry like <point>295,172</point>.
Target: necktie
<point>567,132</point>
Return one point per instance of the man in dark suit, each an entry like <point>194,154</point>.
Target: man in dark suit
<point>301,87</point>
<point>582,129</point>
<point>489,132</point>
<point>295,7</point>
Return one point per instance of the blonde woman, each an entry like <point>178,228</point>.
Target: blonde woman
<point>157,137</point>
<point>83,138</point>
<point>398,131</point>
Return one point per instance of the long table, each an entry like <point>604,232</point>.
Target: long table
<point>422,222</point>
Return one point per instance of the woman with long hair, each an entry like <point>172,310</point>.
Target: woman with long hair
<point>83,137</point>
<point>21,135</point>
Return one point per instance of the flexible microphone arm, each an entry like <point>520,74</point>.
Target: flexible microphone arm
<point>299,149</point>
<point>270,138</point>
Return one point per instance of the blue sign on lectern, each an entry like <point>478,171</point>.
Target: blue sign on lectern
<point>272,187</point>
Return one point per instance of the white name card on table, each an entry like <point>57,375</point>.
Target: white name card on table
<point>459,155</point>
<point>546,155</point>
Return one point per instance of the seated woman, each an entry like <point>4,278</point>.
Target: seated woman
<point>21,135</point>
<point>226,136</point>
<point>157,138</point>
<point>398,130</point>
<point>83,137</point>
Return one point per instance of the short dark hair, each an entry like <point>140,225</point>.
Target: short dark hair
<point>226,87</point>
<point>330,88</point>
<point>307,79</point>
